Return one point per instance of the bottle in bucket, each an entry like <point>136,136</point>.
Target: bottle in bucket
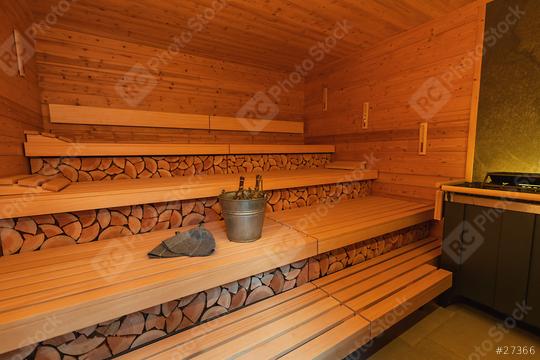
<point>243,211</point>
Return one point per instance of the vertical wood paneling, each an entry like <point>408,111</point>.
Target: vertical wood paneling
<point>388,77</point>
<point>19,96</point>
<point>82,69</point>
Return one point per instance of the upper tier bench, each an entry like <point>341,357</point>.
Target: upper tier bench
<point>38,145</point>
<point>85,284</point>
<point>116,193</point>
<point>326,319</point>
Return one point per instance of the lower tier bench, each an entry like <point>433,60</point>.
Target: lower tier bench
<point>327,319</point>
<point>82,285</point>
<point>386,292</point>
<point>266,330</point>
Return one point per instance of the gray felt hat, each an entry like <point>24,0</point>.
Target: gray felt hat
<point>195,242</point>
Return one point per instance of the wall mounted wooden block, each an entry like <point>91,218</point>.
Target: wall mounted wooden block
<point>422,144</point>
<point>365,116</point>
<point>19,49</point>
<point>89,115</point>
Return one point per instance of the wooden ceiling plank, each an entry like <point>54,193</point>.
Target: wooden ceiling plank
<point>270,34</point>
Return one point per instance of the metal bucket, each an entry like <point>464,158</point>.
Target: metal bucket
<point>244,219</point>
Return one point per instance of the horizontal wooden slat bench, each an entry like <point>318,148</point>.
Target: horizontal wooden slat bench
<point>326,319</point>
<point>85,284</point>
<point>96,195</point>
<point>82,285</point>
<point>38,145</point>
<point>386,292</point>
<point>348,222</point>
<point>268,329</point>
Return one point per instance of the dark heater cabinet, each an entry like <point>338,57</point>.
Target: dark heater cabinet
<point>533,293</point>
<point>495,257</point>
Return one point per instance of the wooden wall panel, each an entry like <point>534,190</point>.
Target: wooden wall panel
<point>19,96</point>
<point>387,77</point>
<point>81,69</point>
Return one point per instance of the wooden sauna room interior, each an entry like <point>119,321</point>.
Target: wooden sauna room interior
<point>264,179</point>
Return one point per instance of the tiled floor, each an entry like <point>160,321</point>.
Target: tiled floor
<point>458,332</point>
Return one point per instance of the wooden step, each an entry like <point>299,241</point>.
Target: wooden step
<point>46,146</point>
<point>347,165</point>
<point>386,292</point>
<point>241,149</point>
<point>116,193</point>
<point>266,330</point>
<point>388,312</point>
<point>349,222</point>
<point>426,251</point>
<point>336,343</point>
